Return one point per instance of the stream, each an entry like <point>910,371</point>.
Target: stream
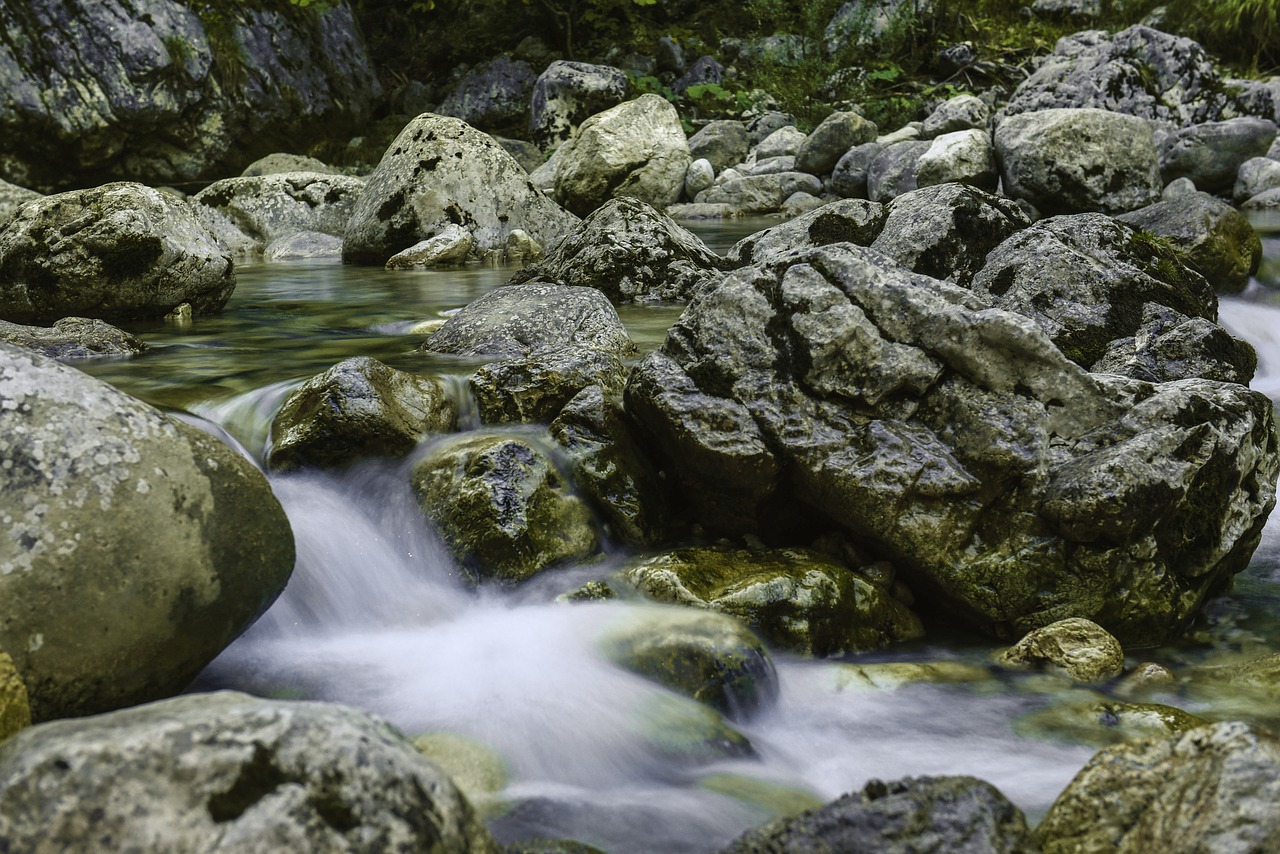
<point>563,743</point>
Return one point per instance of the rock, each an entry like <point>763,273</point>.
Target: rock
<point>1104,721</point>
<point>495,95</point>
<point>863,23</point>
<point>275,164</point>
<point>798,600</point>
<point>893,675</point>
<point>849,178</point>
<point>1257,175</point>
<point>916,418</point>
<point>72,338</point>
<point>1114,299</point>
<point>13,197</point>
<point>760,193</point>
<point>1178,187</point>
<point>179,93</point>
<point>766,124</point>
<point>304,246</point>
<point>116,252</point>
<point>1139,71</point>
<point>229,772</point>
<point>837,133</point>
<point>946,231</point>
<point>359,407</point>
<point>1215,238</point>
<point>517,320</point>
<point>953,814</point>
<point>1068,10</point>
<point>798,204</point>
<point>701,176</point>
<point>450,246</point>
<point>15,711</point>
<point>528,155</point>
<point>724,143</point>
<point>1214,788</point>
<point>704,71</point>
<point>566,93</point>
<point>502,508</point>
<point>670,57</point>
<point>783,142</point>
<point>709,657</point>
<point>963,112</point>
<point>609,467</point>
<point>637,149</point>
<point>631,253</point>
<point>248,214</point>
<point>893,172</point>
<point>1147,678</point>
<point>696,211</point>
<point>127,528</point>
<point>965,156</point>
<point>478,772</point>
<point>851,220</point>
<point>1072,160</point>
<point>1211,154</point>
<point>771,166</point>
<point>906,133</point>
<point>439,172</point>
<point>1082,648</point>
<point>1269,200</point>
<point>537,386</point>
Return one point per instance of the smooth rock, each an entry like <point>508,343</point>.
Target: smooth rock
<point>701,176</point>
<point>837,133</point>
<point>280,161</point>
<point>965,156</point>
<point>723,142</point>
<point>304,246</point>
<point>963,112</point>
<point>1082,648</point>
<point>1257,175</point>
<point>849,178</point>
<point>450,246</point>
<point>783,142</point>
<point>1211,154</point>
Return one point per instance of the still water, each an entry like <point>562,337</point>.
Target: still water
<point>550,738</point>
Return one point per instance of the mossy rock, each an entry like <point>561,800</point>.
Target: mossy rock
<point>1085,651</point>
<point>15,713</point>
<point>890,676</point>
<point>1103,721</point>
<point>477,771</point>
<point>768,798</point>
<point>689,734</point>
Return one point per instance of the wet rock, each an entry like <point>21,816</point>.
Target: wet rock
<point>116,252</point>
<point>1082,648</point>
<point>450,246</point>
<point>304,246</point>
<point>751,194</point>
<point>248,214</point>
<point>849,178</point>
<point>128,527</point>
<point>1147,678</point>
<point>963,112</point>
<point>852,220</point>
<point>1214,788</point>
<point>637,149</point>
<point>1006,484</point>
<point>632,253</point>
<point>724,143</point>
<point>566,94</point>
<point>1070,160</point>
<point>893,171</point>
<point>965,156</point>
<point>502,508</point>
<point>516,320</point>
<point>15,711</point>
<point>1103,721</point>
<point>953,814</point>
<point>439,172</point>
<point>1114,299</point>
<point>495,95</point>
<point>798,600</point>
<point>358,408</point>
<point>72,338</point>
<point>537,386</point>
<point>709,657</point>
<point>231,772</point>
<point>783,142</point>
<point>1211,154</point>
<point>13,197</point>
<point>1256,176</point>
<point>837,133</point>
<point>1215,238</point>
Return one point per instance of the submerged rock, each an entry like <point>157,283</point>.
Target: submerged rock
<point>1104,721</point>
<point>1085,651</point>
<point>72,338</point>
<point>229,772</point>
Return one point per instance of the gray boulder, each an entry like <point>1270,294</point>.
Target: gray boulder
<point>637,149</point>
<point>304,246</point>
<point>1211,154</point>
<point>724,143</point>
<point>566,93</point>
<point>178,93</point>
<point>749,194</point>
<point>439,172</point>
<point>537,386</point>
<point>359,407</point>
<point>1215,788</point>
<point>959,815</point>
<point>705,70</point>
<point>450,246</point>
<point>957,440</point>
<point>837,133</point>
<point>1215,238</point>
<point>849,220</point>
<point>701,176</point>
<point>1265,201</point>
<point>278,162</point>
<point>963,112</point>
<point>117,252</point>
<point>234,773</point>
<point>765,124</point>
<point>633,254</point>
<point>893,171</point>
<point>1072,160</point>
<point>768,166</point>
<point>72,338</point>
<point>965,156</point>
<point>1256,176</point>
<point>493,96</point>
<point>528,155</point>
<point>248,214</point>
<point>849,178</point>
<point>128,527</point>
<point>863,23</point>
<point>517,320</point>
<point>783,142</point>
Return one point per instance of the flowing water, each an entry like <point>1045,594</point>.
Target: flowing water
<point>376,616</point>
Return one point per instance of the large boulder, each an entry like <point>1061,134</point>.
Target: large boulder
<point>1005,482</point>
<point>1114,299</point>
<point>439,172</point>
<point>135,548</point>
<point>632,253</point>
<point>1256,176</point>
<point>1214,788</point>
<point>1215,238</point>
<point>72,338</point>
<point>116,252</point>
<point>893,171</point>
<point>963,112</point>
<point>249,214</point>
<point>849,220</point>
<point>1072,160</point>
<point>494,96</point>
<point>837,133</point>
<point>724,143</point>
<point>229,772</point>
<point>965,156</point>
<point>179,91</point>
<point>637,148</point>
<point>537,386</point>
<point>1212,153</point>
<point>566,94</point>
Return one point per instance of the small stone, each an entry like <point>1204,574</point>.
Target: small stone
<point>1086,651</point>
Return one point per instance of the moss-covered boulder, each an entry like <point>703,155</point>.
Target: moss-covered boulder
<point>1216,239</point>
<point>537,386</point>
<point>713,658</point>
<point>800,600</point>
<point>502,507</point>
<point>1085,651</point>
<point>15,710</point>
<point>1104,721</point>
